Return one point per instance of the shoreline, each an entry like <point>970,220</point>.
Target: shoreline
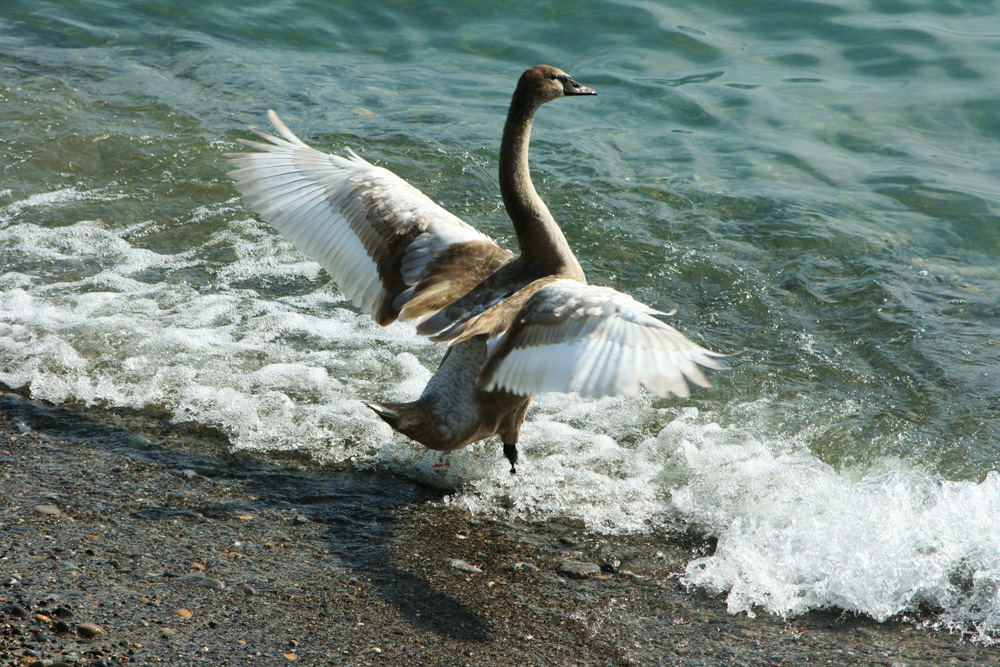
<point>182,553</point>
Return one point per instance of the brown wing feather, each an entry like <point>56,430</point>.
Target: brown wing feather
<point>453,274</point>
<point>496,319</point>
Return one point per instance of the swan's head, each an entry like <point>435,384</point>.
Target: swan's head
<point>544,83</point>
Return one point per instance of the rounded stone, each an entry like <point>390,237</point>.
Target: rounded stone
<point>522,565</point>
<point>17,611</point>
<point>464,566</point>
<point>578,570</point>
<point>245,589</point>
<point>207,582</point>
<point>89,630</point>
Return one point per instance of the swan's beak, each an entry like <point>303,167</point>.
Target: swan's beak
<point>571,87</point>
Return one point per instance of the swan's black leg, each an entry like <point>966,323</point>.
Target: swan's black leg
<point>510,451</point>
<point>510,426</point>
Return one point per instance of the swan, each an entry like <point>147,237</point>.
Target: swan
<point>515,324</point>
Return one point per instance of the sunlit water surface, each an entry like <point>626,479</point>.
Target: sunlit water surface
<point>813,186</point>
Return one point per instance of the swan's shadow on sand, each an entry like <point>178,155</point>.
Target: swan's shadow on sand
<point>359,508</point>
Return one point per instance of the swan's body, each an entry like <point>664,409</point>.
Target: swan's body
<point>516,324</point>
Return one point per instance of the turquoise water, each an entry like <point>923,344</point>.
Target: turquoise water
<point>812,185</point>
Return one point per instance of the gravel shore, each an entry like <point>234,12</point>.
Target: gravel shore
<point>125,539</point>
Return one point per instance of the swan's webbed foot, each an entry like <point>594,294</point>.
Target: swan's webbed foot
<point>510,451</point>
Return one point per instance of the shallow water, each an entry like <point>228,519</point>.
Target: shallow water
<point>811,185</point>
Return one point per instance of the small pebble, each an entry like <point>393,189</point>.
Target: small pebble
<point>578,570</point>
<point>62,627</point>
<point>49,510</point>
<point>207,582</point>
<point>62,612</point>
<point>138,439</point>
<point>149,575</point>
<point>463,566</point>
<point>245,589</point>
<point>183,613</point>
<point>17,611</point>
<point>521,565</point>
<point>89,630</point>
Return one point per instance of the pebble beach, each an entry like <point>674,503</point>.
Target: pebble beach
<point>126,539</point>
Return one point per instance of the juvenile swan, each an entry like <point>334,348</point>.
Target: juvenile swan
<point>515,325</point>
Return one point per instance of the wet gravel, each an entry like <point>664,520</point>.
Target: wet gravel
<point>127,540</point>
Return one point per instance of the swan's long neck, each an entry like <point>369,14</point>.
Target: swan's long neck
<point>541,241</point>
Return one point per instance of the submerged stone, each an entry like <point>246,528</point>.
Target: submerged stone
<point>578,570</point>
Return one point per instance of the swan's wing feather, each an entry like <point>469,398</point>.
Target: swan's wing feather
<point>489,314</point>
<point>383,241</point>
<point>571,337</point>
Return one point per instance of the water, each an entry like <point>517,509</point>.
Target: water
<point>812,185</point>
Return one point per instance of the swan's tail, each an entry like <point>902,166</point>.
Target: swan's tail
<point>385,412</point>
<point>410,419</point>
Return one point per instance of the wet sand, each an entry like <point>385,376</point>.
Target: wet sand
<point>182,553</point>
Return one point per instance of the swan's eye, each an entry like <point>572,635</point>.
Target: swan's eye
<point>562,77</point>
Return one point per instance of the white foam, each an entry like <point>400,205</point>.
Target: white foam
<point>47,199</point>
<point>794,534</point>
<point>274,374</point>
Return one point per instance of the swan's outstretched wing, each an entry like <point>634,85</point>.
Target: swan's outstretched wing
<point>387,245</point>
<point>595,341</point>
